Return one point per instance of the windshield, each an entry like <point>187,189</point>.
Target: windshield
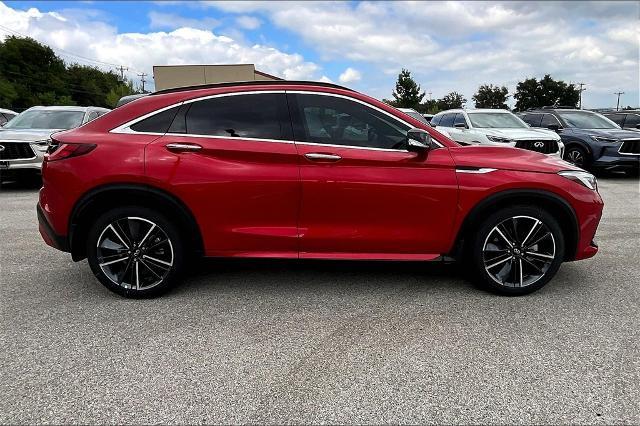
<point>46,119</point>
<point>586,120</point>
<point>417,116</point>
<point>499,120</point>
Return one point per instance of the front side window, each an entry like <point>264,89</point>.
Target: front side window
<point>616,118</point>
<point>632,121</point>
<point>338,121</point>
<point>549,120</point>
<point>46,119</point>
<point>459,119</point>
<point>447,120</point>
<point>260,116</point>
<point>586,120</point>
<point>532,120</point>
<point>495,120</point>
<point>435,120</point>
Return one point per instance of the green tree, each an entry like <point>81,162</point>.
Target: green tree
<point>490,96</point>
<point>532,93</point>
<point>407,93</point>
<point>450,101</point>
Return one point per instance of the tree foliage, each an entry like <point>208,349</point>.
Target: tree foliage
<point>532,93</point>
<point>490,96</point>
<point>407,93</point>
<point>450,101</point>
<point>32,74</point>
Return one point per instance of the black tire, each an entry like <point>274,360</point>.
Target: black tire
<point>577,156</point>
<point>514,272</point>
<point>153,267</point>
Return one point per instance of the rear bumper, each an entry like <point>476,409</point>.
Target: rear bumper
<point>49,236</point>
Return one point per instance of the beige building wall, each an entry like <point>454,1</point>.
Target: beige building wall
<point>172,76</point>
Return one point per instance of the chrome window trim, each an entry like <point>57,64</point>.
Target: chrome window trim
<point>126,127</point>
<point>481,170</point>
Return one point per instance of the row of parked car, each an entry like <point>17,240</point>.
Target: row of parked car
<point>608,141</point>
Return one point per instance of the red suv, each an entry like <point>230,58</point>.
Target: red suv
<point>303,170</point>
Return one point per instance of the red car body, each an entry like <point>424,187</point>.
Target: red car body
<point>258,198</point>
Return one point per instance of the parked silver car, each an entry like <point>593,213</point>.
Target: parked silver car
<point>25,138</point>
<point>6,115</point>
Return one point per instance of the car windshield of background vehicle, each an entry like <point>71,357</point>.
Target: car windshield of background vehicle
<point>499,120</point>
<point>586,120</point>
<point>46,120</point>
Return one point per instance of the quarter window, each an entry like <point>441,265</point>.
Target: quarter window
<point>261,116</point>
<point>157,123</point>
<point>338,121</point>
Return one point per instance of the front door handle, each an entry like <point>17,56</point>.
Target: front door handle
<point>183,147</point>
<point>318,156</point>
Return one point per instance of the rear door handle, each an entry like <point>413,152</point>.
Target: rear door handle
<point>318,156</point>
<point>183,147</point>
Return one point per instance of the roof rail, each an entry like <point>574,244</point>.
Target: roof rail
<point>251,83</point>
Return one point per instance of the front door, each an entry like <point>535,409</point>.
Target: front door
<point>363,194</point>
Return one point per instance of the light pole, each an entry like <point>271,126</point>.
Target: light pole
<point>581,90</point>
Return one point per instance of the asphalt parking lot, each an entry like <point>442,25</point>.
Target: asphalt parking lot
<point>320,342</point>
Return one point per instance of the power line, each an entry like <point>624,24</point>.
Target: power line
<point>618,103</point>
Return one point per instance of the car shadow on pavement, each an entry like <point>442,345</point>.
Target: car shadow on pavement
<point>34,183</point>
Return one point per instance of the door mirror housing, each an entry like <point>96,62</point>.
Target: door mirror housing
<point>460,126</point>
<point>554,127</point>
<point>418,140</point>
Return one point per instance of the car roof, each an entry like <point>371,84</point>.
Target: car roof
<point>253,83</point>
<point>66,108</point>
<point>475,110</point>
<point>3,110</point>
<point>407,110</point>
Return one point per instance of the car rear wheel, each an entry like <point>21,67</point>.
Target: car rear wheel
<point>577,156</point>
<point>517,250</point>
<point>135,252</point>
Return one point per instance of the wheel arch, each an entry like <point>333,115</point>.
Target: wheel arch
<point>547,200</point>
<point>98,200</point>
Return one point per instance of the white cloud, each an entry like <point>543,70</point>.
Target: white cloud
<point>350,75</point>
<point>170,21</point>
<point>140,51</point>
<point>325,79</point>
<point>248,22</point>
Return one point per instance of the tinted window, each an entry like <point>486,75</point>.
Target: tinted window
<point>262,116</point>
<point>3,119</point>
<point>47,119</point>
<point>616,118</point>
<point>447,120</point>
<point>93,116</point>
<point>338,121</point>
<point>586,120</point>
<point>497,120</point>
<point>459,119</point>
<point>435,120</point>
<point>532,120</point>
<point>548,120</point>
<point>158,123</point>
<point>632,121</point>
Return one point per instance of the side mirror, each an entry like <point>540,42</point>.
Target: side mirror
<point>460,126</point>
<point>554,127</point>
<point>637,126</point>
<point>418,140</point>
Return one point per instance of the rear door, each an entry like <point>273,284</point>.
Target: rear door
<point>363,194</point>
<point>231,159</point>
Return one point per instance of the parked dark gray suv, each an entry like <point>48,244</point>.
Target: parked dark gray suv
<point>591,140</point>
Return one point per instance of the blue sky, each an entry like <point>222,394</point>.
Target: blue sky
<point>447,45</point>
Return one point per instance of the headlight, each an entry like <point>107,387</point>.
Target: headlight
<point>42,145</point>
<point>583,178</point>
<point>604,139</point>
<point>499,139</point>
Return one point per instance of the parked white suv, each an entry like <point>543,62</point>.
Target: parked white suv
<point>496,127</point>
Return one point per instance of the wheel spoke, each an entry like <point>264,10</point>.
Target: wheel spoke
<point>149,269</point>
<point>153,225</point>
<point>157,260</point>
<point>533,228</point>
<point>502,235</point>
<point>137,276</point>
<point>520,268</point>
<point>500,262</point>
<point>546,256</point>
<point>533,265</point>
<point>538,240</point>
<point>122,259</point>
<point>118,235</point>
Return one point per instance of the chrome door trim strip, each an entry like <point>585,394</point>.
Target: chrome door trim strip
<point>481,170</point>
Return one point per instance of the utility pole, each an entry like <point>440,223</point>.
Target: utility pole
<point>142,76</point>
<point>581,90</point>
<point>618,103</point>
<point>122,70</point>
<point>429,95</point>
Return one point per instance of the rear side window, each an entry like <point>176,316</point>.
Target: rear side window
<point>447,120</point>
<point>435,120</point>
<point>532,120</point>
<point>260,116</point>
<point>548,120</point>
<point>157,123</point>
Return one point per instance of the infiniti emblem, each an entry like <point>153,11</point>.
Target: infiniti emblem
<point>1,148</point>
<point>538,144</point>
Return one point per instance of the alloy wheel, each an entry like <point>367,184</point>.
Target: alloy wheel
<point>135,253</point>
<point>576,157</point>
<point>518,251</point>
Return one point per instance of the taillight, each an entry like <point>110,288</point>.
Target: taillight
<point>68,150</point>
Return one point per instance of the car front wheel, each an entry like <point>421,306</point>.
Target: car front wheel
<point>135,251</point>
<point>517,250</point>
<point>577,156</point>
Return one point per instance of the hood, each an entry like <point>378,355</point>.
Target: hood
<point>507,158</point>
<point>523,134</point>
<point>608,133</point>
<point>27,135</point>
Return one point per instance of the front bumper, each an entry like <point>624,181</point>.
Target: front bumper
<point>49,236</point>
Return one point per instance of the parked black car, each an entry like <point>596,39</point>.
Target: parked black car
<point>629,119</point>
<point>591,140</point>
